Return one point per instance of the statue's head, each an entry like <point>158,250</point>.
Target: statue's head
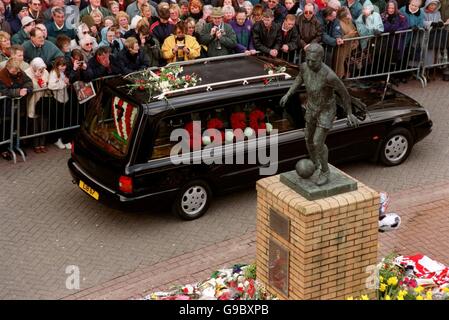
<point>314,56</point>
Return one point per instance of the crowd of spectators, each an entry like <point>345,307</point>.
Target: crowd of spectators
<point>54,43</point>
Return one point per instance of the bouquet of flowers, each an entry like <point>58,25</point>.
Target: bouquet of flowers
<point>272,69</point>
<point>236,283</point>
<point>162,80</point>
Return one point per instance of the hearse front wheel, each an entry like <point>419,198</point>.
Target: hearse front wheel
<point>193,200</point>
<point>396,147</point>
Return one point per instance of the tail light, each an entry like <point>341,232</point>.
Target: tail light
<point>125,184</point>
<point>72,149</point>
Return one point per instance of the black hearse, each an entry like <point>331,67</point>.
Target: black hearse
<point>123,152</point>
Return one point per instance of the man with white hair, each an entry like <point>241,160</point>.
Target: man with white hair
<point>57,25</point>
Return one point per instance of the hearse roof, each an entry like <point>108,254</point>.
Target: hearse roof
<point>216,73</point>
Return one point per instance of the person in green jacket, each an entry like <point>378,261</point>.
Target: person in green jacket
<point>219,37</point>
<point>23,35</point>
<point>37,46</point>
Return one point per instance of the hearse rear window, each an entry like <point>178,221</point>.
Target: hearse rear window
<point>111,123</point>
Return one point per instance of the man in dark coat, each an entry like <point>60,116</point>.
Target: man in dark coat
<point>266,35</point>
<point>57,25</point>
<point>100,65</point>
<point>131,58</point>
<point>289,36</point>
<point>37,46</point>
<point>309,28</point>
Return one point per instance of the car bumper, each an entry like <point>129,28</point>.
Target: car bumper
<point>113,198</point>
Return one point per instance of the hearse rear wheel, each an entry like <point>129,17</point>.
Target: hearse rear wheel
<point>193,200</point>
<point>396,147</point>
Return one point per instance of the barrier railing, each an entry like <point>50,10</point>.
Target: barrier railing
<point>374,56</point>
<point>437,51</point>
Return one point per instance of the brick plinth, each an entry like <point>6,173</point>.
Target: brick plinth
<point>331,241</point>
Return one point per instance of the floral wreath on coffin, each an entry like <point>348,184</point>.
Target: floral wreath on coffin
<point>162,80</point>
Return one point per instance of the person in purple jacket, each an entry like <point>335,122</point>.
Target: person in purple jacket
<point>394,21</point>
<point>243,30</point>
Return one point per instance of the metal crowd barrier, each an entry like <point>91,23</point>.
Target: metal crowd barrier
<point>375,56</point>
<point>437,45</point>
<point>49,112</point>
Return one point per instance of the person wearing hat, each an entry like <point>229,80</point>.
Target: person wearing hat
<point>219,37</point>
<point>23,35</point>
<point>16,22</point>
<point>267,35</point>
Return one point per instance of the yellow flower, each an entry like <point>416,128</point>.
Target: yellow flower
<point>387,297</point>
<point>381,279</point>
<point>402,293</point>
<point>419,289</point>
<point>429,295</point>
<point>419,297</point>
<point>364,297</point>
<point>382,287</point>
<point>392,281</point>
<point>400,298</point>
<point>350,298</point>
<point>446,289</point>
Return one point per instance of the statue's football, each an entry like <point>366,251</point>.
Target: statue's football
<point>305,168</point>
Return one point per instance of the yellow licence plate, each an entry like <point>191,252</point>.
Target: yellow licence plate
<point>94,194</point>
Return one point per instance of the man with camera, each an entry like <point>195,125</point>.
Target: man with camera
<point>180,46</point>
<point>219,37</point>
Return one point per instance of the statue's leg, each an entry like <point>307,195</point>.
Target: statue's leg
<point>309,133</point>
<point>322,154</point>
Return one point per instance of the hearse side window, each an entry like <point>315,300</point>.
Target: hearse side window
<point>243,119</point>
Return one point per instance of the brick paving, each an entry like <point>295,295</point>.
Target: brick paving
<point>47,224</point>
<point>424,229</point>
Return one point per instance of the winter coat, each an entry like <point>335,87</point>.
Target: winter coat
<point>127,63</point>
<point>289,38</point>
<point>36,95</point>
<point>161,30</point>
<point>54,32</point>
<point>189,42</point>
<point>115,46</point>
<point>48,52</point>
<point>244,36</point>
<point>58,86</point>
<point>95,70</point>
<point>331,31</point>
<point>434,16</point>
<point>396,21</point>
<point>4,25</point>
<point>370,25</point>
<point>87,10</point>
<point>309,31</point>
<point>266,40</point>
<point>227,42</point>
<point>10,85</point>
<point>20,37</point>
<point>355,8</point>
<point>415,20</point>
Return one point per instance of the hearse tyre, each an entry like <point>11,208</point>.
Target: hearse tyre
<point>193,200</point>
<point>396,147</point>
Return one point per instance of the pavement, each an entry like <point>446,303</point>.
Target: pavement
<point>48,225</point>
